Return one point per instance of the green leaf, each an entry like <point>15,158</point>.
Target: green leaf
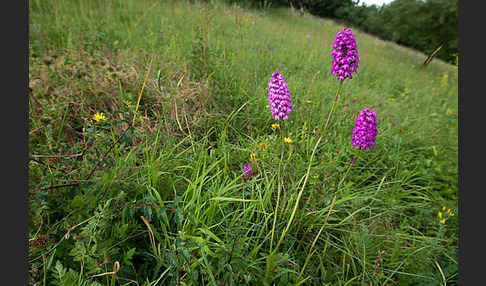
<point>231,199</point>
<point>60,270</point>
<point>172,259</point>
<point>77,201</point>
<point>127,258</point>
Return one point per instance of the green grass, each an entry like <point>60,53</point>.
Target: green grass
<point>202,112</point>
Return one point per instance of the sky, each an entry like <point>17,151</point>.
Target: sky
<point>376,2</point>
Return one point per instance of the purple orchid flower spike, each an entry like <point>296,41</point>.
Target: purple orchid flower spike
<point>279,97</point>
<point>365,131</point>
<point>345,55</point>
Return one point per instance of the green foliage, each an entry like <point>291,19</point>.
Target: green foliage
<point>423,25</point>
<point>326,8</point>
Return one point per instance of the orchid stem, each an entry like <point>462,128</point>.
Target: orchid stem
<point>279,186</point>
<point>327,216</point>
<point>332,107</point>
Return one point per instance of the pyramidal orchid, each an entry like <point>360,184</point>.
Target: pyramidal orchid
<point>345,55</point>
<point>365,131</point>
<point>279,97</point>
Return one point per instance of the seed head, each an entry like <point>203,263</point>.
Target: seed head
<point>279,97</point>
<point>365,131</point>
<point>345,55</point>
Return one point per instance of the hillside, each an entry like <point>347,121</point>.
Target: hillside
<point>164,201</point>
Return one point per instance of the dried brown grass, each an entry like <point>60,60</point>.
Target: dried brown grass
<point>70,86</point>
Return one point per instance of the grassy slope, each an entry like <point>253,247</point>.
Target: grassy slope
<point>197,129</point>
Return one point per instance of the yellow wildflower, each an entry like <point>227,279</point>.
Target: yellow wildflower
<point>275,125</point>
<point>442,221</point>
<point>443,209</point>
<point>128,103</point>
<point>449,211</point>
<point>439,214</point>
<point>99,116</point>
<point>252,155</point>
<point>308,101</point>
<point>287,140</point>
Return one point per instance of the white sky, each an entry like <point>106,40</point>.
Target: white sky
<point>376,2</point>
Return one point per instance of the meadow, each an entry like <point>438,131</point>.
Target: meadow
<point>153,191</point>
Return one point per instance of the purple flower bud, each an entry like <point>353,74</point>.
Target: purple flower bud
<point>279,97</point>
<point>345,55</point>
<point>247,171</point>
<point>365,131</point>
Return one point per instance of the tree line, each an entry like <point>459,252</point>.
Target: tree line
<point>424,25</point>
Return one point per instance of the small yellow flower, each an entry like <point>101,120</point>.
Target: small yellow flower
<point>275,125</point>
<point>99,116</point>
<point>308,101</point>
<point>442,221</point>
<point>439,214</point>
<point>443,209</point>
<point>448,211</point>
<point>252,155</point>
<point>452,214</point>
<point>287,140</point>
<point>128,103</point>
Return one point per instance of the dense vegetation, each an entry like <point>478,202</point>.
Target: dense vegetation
<point>151,192</point>
<point>422,25</point>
